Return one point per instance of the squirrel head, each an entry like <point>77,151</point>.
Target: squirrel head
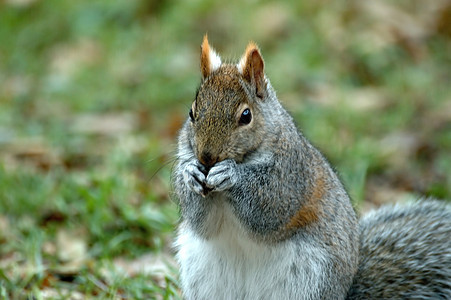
<point>226,118</point>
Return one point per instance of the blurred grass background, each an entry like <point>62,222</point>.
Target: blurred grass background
<point>92,94</point>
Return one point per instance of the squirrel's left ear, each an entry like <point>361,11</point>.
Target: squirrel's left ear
<point>209,59</point>
<point>251,66</point>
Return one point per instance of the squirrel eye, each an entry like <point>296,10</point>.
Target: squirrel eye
<point>191,115</point>
<point>246,117</point>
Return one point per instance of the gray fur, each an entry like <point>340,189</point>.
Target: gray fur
<point>265,217</point>
<point>267,174</point>
<point>193,176</point>
<point>405,253</point>
<point>222,176</point>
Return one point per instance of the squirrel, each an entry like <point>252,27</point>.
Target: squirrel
<point>264,215</point>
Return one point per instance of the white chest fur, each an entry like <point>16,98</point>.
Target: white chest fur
<point>232,266</point>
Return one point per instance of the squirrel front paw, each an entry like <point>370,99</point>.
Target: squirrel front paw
<point>194,177</point>
<point>222,176</point>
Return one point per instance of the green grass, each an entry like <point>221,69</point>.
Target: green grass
<point>92,94</point>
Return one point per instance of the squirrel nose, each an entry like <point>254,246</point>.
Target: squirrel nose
<point>207,160</point>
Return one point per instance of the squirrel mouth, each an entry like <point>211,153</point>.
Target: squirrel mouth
<point>205,170</point>
<point>206,190</point>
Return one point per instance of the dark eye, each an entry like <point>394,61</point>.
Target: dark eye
<point>191,116</point>
<point>246,117</point>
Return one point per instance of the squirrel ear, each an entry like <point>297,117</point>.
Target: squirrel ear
<point>209,60</point>
<point>251,66</point>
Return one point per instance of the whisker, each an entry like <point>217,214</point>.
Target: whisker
<point>172,160</point>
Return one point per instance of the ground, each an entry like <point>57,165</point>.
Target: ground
<point>92,94</point>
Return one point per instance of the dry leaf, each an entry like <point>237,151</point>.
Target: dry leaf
<point>106,124</point>
<point>380,194</point>
<point>150,264</point>
<point>155,265</point>
<point>5,226</point>
<point>68,58</point>
<point>60,293</point>
<point>365,99</point>
<point>71,249</point>
<point>31,151</point>
<point>399,147</point>
<point>16,86</point>
<point>275,17</point>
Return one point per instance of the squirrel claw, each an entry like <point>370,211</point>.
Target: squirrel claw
<point>222,176</point>
<point>194,178</point>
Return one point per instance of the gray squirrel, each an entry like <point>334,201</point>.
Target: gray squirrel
<point>264,216</point>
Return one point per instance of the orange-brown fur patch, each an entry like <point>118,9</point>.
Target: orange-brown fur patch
<point>205,63</point>
<point>310,210</point>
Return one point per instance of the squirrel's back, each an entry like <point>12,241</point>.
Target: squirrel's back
<point>405,252</point>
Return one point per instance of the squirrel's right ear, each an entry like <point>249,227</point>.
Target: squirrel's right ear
<point>251,66</point>
<point>209,59</point>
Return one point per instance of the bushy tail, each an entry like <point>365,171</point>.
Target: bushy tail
<point>405,252</point>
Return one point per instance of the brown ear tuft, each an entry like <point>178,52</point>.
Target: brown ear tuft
<point>205,57</point>
<point>209,60</point>
<point>251,66</point>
